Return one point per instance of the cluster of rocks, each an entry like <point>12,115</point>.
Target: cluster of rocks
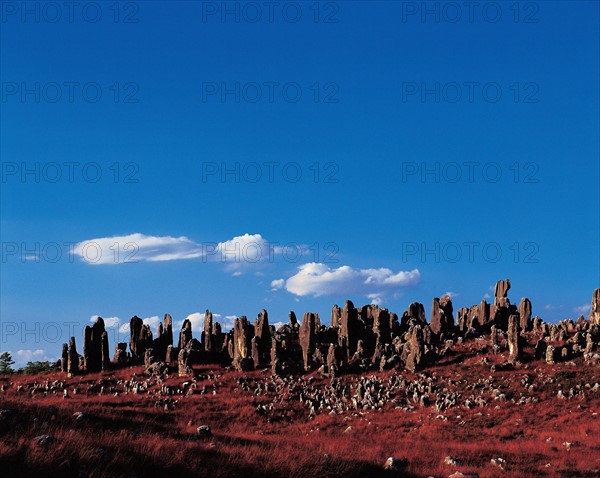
<point>358,394</point>
<point>357,339</point>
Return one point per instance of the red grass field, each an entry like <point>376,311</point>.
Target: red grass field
<point>128,435</point>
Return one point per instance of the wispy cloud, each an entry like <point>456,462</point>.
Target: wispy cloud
<point>136,248</point>
<point>553,307</point>
<point>582,309</point>
<point>238,254</point>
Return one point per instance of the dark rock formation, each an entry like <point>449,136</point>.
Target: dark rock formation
<point>525,314</point>
<point>413,350</point>
<point>207,333</point>
<point>292,318</point>
<point>350,328</point>
<point>514,345</point>
<point>135,330</point>
<point>149,357</point>
<point>64,359</point>
<point>494,336</point>
<point>73,362</point>
<point>550,354</point>
<point>382,326</point>
<point>242,342</point>
<point>414,315</point>
<point>185,335</point>
<point>308,338</point>
<point>120,357</point>
<point>446,305</point>
<point>183,363</point>
<point>93,338</point>
<point>172,355</point>
<point>286,352</point>
<point>595,310</point>
<point>500,293</point>
<point>358,340</point>
<point>334,359</point>
<point>105,356</point>
<point>163,339</point>
<point>441,320</point>
<point>140,338</point>
<point>262,339</point>
<point>336,316</point>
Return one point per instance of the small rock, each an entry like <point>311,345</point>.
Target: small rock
<point>79,416</point>
<point>395,464</point>
<point>44,440</point>
<point>203,431</point>
<point>499,462</point>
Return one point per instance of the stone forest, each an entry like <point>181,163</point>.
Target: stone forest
<point>485,391</point>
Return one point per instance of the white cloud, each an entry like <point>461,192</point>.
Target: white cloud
<point>277,284</point>
<point>153,323</point>
<point>137,248</point>
<point>21,357</point>
<point>552,307</point>
<point>238,254</point>
<point>453,295</point>
<point>317,279</point>
<point>375,299</point>
<point>124,328</point>
<point>197,320</point>
<point>109,322</point>
<point>251,251</point>
<point>247,248</point>
<point>487,296</point>
<point>582,309</point>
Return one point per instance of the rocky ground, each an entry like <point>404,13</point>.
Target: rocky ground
<point>468,415</point>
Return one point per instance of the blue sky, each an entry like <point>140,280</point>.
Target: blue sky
<point>375,152</point>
